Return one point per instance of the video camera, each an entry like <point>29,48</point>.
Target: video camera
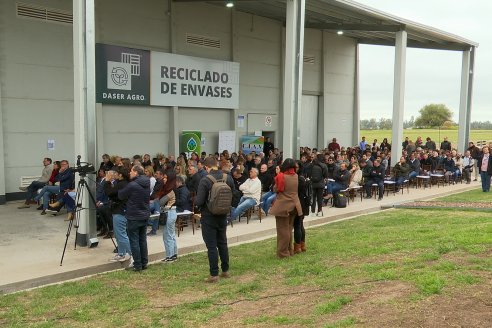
<point>85,169</point>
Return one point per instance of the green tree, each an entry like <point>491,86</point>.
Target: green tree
<point>433,115</point>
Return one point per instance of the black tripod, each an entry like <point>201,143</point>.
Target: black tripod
<point>78,207</point>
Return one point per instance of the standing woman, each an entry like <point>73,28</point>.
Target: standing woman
<point>286,206</point>
<point>116,180</point>
<point>484,164</point>
<point>304,198</point>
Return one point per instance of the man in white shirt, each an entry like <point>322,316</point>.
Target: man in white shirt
<point>32,189</point>
<point>251,190</point>
<point>468,163</point>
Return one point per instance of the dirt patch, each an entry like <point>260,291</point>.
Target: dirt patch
<point>437,204</point>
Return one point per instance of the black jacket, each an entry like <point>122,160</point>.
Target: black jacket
<point>183,199</point>
<point>302,194</point>
<point>137,197</point>
<point>202,197</point>
<point>266,181</point>
<point>489,166</point>
<point>66,179</point>
<point>342,177</point>
<point>319,172</point>
<point>376,174</point>
<point>193,182</point>
<point>117,205</point>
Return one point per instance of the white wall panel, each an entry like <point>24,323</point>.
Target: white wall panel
<point>339,88</point>
<point>130,130</point>
<point>313,73</point>
<point>137,24</point>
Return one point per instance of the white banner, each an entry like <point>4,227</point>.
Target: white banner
<point>184,81</point>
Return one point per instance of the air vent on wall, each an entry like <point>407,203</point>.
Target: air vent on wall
<point>203,41</point>
<point>308,59</point>
<point>45,14</point>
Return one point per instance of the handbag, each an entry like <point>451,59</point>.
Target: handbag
<point>163,218</point>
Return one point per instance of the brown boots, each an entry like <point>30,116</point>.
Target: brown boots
<point>297,248</point>
<point>303,246</point>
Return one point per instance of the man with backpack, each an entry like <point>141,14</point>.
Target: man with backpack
<point>214,197</point>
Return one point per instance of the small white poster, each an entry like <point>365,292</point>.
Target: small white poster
<point>51,144</point>
<point>240,121</point>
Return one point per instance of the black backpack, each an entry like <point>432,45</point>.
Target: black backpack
<point>308,190</point>
<point>314,176</point>
<point>339,200</point>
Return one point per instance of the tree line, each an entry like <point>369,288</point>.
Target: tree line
<point>431,116</point>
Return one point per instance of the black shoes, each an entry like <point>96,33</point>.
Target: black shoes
<point>40,207</point>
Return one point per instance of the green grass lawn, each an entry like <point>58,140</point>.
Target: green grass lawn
<point>397,261</point>
<point>475,195</point>
<point>434,134</point>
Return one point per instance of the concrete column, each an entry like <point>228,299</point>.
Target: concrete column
<point>85,107</point>
<point>174,111</point>
<point>356,121</point>
<point>294,44</point>
<point>3,199</point>
<point>398,95</point>
<point>468,60</point>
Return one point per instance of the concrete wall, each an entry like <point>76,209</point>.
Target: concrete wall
<point>339,61</point>
<point>36,80</point>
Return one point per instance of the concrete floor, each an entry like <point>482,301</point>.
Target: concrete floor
<point>31,244</point>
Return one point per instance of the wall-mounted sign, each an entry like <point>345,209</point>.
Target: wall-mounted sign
<point>122,75</point>
<point>185,81</point>
<point>252,143</point>
<point>190,142</point>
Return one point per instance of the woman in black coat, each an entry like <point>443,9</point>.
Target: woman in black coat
<point>305,200</point>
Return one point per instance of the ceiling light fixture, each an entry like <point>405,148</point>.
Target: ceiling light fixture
<point>229,4</point>
<point>340,32</point>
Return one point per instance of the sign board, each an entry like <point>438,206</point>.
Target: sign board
<point>185,81</point>
<point>268,120</point>
<point>252,143</point>
<point>141,77</point>
<point>190,142</point>
<point>122,75</point>
<point>227,141</point>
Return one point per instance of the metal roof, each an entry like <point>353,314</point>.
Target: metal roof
<point>365,24</point>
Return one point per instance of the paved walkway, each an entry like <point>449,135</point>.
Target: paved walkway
<point>31,245</point>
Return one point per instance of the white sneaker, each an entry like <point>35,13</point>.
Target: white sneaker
<point>119,258</point>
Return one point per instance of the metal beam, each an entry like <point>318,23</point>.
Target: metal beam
<point>413,44</point>
<point>355,27</point>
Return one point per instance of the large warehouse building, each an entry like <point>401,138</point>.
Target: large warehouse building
<point>128,77</point>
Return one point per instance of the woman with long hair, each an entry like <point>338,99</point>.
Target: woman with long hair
<point>286,206</point>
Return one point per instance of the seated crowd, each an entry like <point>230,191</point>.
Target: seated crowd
<point>174,181</point>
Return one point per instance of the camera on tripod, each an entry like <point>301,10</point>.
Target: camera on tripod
<point>86,168</point>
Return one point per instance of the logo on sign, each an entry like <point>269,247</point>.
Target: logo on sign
<point>268,121</point>
<point>120,73</point>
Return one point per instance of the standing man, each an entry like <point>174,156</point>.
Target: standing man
<point>445,145</point>
<point>267,146</point>
<point>468,163</point>
<point>430,145</point>
<point>333,145</point>
<point>38,184</point>
<point>213,226</point>
<point>362,144</point>
<point>137,197</point>
<point>474,153</point>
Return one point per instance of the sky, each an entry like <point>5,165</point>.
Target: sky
<point>432,76</point>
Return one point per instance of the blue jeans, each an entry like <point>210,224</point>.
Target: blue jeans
<point>46,193</point>
<point>485,181</point>
<point>169,234</point>
<point>267,200</point>
<point>33,188</point>
<point>334,187</point>
<point>137,233</point>
<point>119,228</point>
<point>155,207</point>
<point>399,181</point>
<point>412,175</point>
<point>244,204</point>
